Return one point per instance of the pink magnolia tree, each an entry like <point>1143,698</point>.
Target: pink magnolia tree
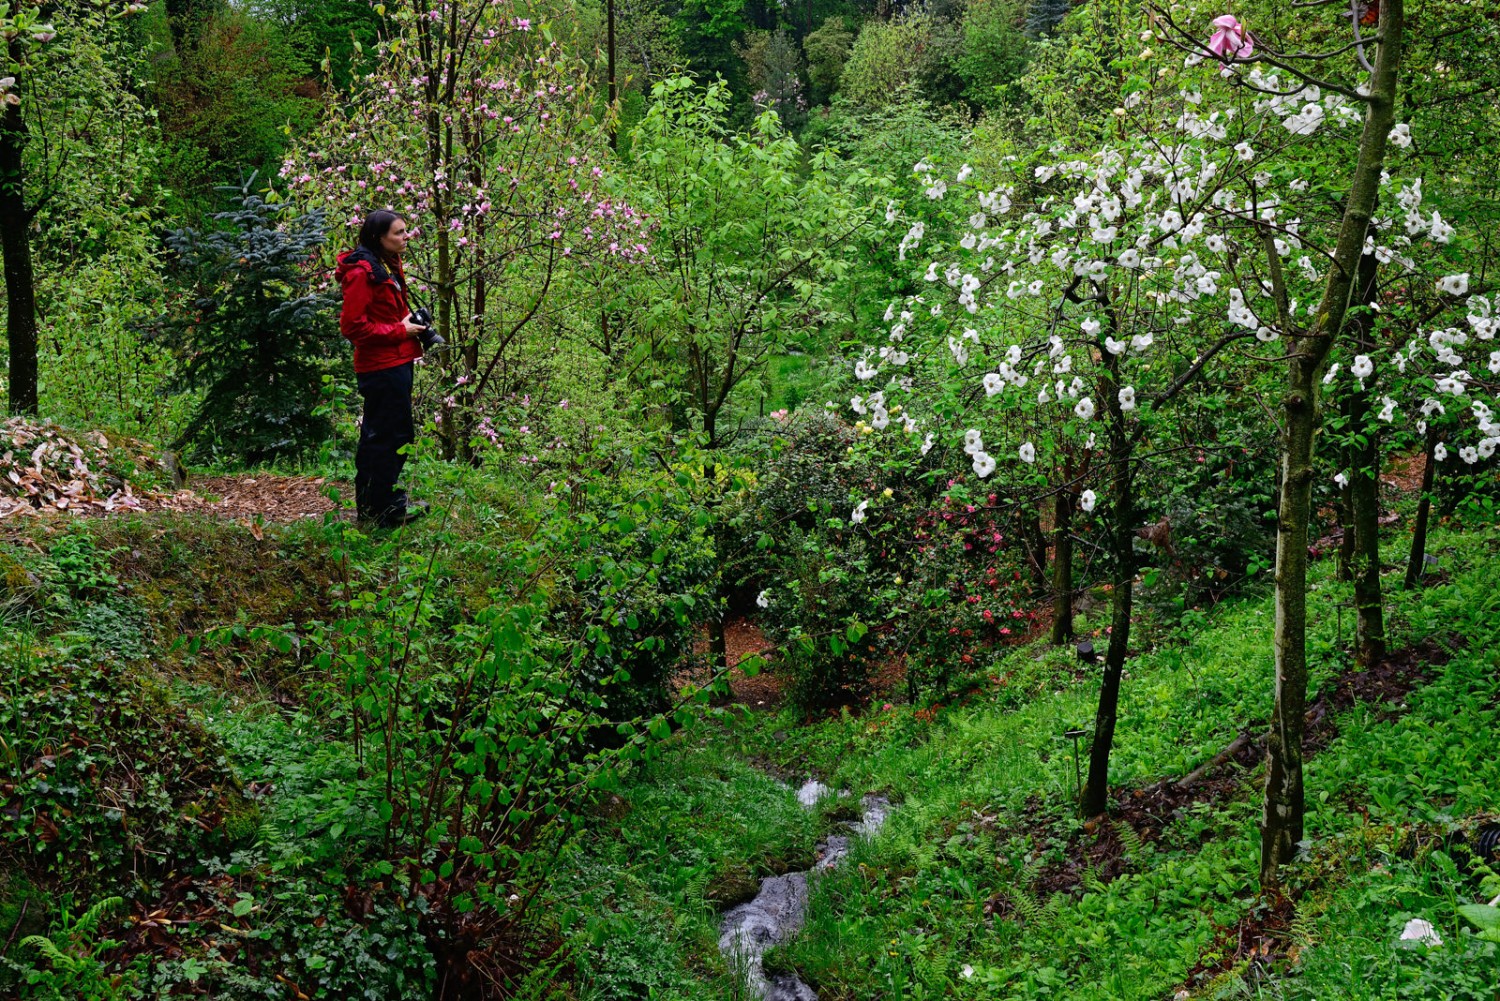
<point>480,126</point>
<point>1106,282</point>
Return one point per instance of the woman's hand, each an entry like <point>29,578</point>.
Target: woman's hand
<point>412,329</point>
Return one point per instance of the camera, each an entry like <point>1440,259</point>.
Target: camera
<point>430,338</point>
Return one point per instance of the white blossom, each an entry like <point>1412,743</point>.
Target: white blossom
<point>993,384</point>
<point>1084,408</point>
<point>1127,398</point>
<point>1087,500</point>
<point>1028,452</point>
<point>984,464</point>
<point>1454,284</point>
<point>1440,452</point>
<point>763,600</point>
<point>1362,367</point>
<point>858,514</point>
<point>1418,930</point>
<point>1401,135</point>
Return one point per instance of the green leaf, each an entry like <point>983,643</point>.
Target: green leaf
<point>243,906</point>
<point>1482,916</point>
<point>856,631</point>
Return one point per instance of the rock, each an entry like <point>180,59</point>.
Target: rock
<point>1420,930</point>
<point>812,790</point>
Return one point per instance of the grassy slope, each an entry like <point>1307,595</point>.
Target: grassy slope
<point>983,793</point>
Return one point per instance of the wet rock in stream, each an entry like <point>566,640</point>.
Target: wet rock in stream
<point>776,914</point>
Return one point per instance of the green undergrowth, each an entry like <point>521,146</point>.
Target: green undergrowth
<point>643,890</point>
<point>960,897</point>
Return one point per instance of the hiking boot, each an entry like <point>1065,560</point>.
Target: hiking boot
<point>405,516</point>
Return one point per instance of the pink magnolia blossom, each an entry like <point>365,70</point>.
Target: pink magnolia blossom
<point>1231,41</point>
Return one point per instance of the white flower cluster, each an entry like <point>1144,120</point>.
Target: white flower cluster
<point>1166,230</point>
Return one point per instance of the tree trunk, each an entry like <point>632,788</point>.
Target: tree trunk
<point>1034,541</point>
<point>614,93</point>
<point>1122,545</point>
<point>1414,564</point>
<point>1281,822</point>
<point>1364,492</point>
<point>1364,487</point>
<point>15,246</point>
<point>1282,809</point>
<point>1062,568</point>
<point>1346,504</point>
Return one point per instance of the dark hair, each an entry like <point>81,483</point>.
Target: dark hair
<point>376,225</point>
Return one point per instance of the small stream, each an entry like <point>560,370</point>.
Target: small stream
<point>777,912</point>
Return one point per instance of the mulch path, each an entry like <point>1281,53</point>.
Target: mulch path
<point>742,637</point>
<point>48,471</point>
<point>265,496</point>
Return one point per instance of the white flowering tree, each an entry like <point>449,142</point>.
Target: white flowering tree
<point>1108,281</point>
<point>1421,356</point>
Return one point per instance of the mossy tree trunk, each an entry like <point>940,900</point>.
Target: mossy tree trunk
<point>1122,553</point>
<point>1282,812</point>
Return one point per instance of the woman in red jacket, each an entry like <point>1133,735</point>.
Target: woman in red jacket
<point>377,319</point>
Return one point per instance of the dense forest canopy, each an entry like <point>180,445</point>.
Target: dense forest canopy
<point>1059,437</point>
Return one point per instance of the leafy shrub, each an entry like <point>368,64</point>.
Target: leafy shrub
<point>883,58</point>
<point>994,51</point>
<point>103,775</point>
<point>643,567</point>
<point>930,576</point>
<point>827,50</point>
<point>1214,524</point>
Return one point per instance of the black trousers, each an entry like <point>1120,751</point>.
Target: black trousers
<point>386,427</point>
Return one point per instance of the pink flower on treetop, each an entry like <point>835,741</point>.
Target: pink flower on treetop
<point>1231,41</point>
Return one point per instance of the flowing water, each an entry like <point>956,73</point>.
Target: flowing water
<point>777,912</point>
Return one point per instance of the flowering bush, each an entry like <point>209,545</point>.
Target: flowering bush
<point>479,126</point>
<point>915,579</point>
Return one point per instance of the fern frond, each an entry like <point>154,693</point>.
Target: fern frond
<point>1130,841</point>
<point>1026,906</point>
<point>695,893</point>
<point>88,922</point>
<point>541,984</point>
<point>50,952</point>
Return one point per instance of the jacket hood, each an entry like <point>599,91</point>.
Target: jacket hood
<point>361,259</point>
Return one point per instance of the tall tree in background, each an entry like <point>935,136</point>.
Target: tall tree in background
<point>72,152</point>
<point>749,238</point>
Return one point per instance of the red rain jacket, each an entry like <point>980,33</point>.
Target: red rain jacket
<point>372,314</point>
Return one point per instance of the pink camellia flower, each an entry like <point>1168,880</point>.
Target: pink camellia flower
<point>1231,41</point>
